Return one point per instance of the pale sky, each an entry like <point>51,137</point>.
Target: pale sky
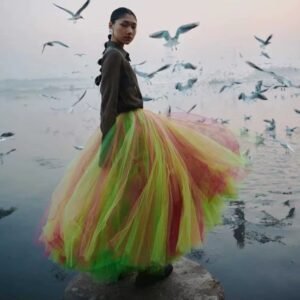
<point>226,28</point>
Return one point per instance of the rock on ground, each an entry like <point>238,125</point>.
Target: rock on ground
<point>188,281</point>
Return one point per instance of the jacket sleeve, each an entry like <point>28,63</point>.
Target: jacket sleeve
<point>110,82</point>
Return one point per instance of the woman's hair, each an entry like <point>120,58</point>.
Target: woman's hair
<point>115,15</point>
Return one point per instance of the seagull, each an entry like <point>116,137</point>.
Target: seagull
<point>71,109</point>
<point>247,117</point>
<point>265,54</point>
<point>252,96</point>
<point>79,54</point>
<point>51,97</point>
<point>6,136</point>
<point>147,98</point>
<point>290,130</point>
<point>244,131</point>
<point>291,213</point>
<point>139,64</point>
<point>6,212</point>
<point>189,110</point>
<point>272,124</point>
<point>247,156</point>
<point>149,76</point>
<point>229,85</point>
<point>75,16</point>
<point>284,82</point>
<point>173,41</point>
<point>259,139</point>
<point>223,121</point>
<point>180,87</point>
<point>78,147</point>
<point>185,66</point>
<point>3,154</point>
<point>264,43</point>
<point>169,111</point>
<point>259,85</point>
<point>52,43</point>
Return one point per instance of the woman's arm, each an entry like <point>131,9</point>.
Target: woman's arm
<point>111,68</point>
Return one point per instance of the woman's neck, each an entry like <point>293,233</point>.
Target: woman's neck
<point>117,42</point>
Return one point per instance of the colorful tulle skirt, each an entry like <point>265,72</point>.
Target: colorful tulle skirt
<point>144,195</point>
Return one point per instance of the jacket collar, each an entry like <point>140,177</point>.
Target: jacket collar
<point>116,45</point>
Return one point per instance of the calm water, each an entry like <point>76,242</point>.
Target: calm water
<point>254,253</point>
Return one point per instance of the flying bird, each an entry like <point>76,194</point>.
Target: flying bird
<point>79,54</point>
<point>272,124</point>
<point>183,87</point>
<point>283,81</point>
<point>264,43</point>
<point>229,85</point>
<point>290,130</point>
<point>189,110</point>
<point>75,16</point>
<point>52,43</point>
<point>187,65</point>
<point>265,54</point>
<point>6,135</point>
<point>149,76</point>
<point>172,42</point>
<point>6,153</point>
<point>252,96</point>
<point>75,103</point>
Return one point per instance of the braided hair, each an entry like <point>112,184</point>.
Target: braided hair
<point>116,14</point>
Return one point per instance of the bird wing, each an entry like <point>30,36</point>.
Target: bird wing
<point>60,43</point>
<point>191,108</point>
<point>223,88</point>
<point>44,46</point>
<point>142,74</point>
<point>261,96</point>
<point>267,121</point>
<point>297,110</point>
<point>189,66</point>
<point>191,81</point>
<point>265,54</point>
<point>185,28</point>
<point>255,66</point>
<point>269,38</point>
<point>161,34</point>
<point>66,10</point>
<point>259,39</point>
<point>258,86</point>
<point>242,96</point>
<point>83,7</point>
<point>159,70</point>
<point>81,97</point>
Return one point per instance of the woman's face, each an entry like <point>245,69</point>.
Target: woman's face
<point>124,29</point>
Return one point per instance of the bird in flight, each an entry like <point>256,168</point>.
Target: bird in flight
<point>172,42</point>
<point>75,16</point>
<point>264,43</point>
<point>52,43</point>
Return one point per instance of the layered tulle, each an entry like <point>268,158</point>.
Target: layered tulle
<point>144,196</point>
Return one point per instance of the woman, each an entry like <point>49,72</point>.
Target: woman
<point>144,192</point>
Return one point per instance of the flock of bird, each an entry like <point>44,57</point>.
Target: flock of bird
<point>172,43</point>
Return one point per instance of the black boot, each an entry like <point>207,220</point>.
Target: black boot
<point>149,277</point>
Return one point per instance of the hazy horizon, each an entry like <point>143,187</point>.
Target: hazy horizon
<point>226,29</point>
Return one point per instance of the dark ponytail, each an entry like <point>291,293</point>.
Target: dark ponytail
<point>98,78</point>
<point>116,14</point>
